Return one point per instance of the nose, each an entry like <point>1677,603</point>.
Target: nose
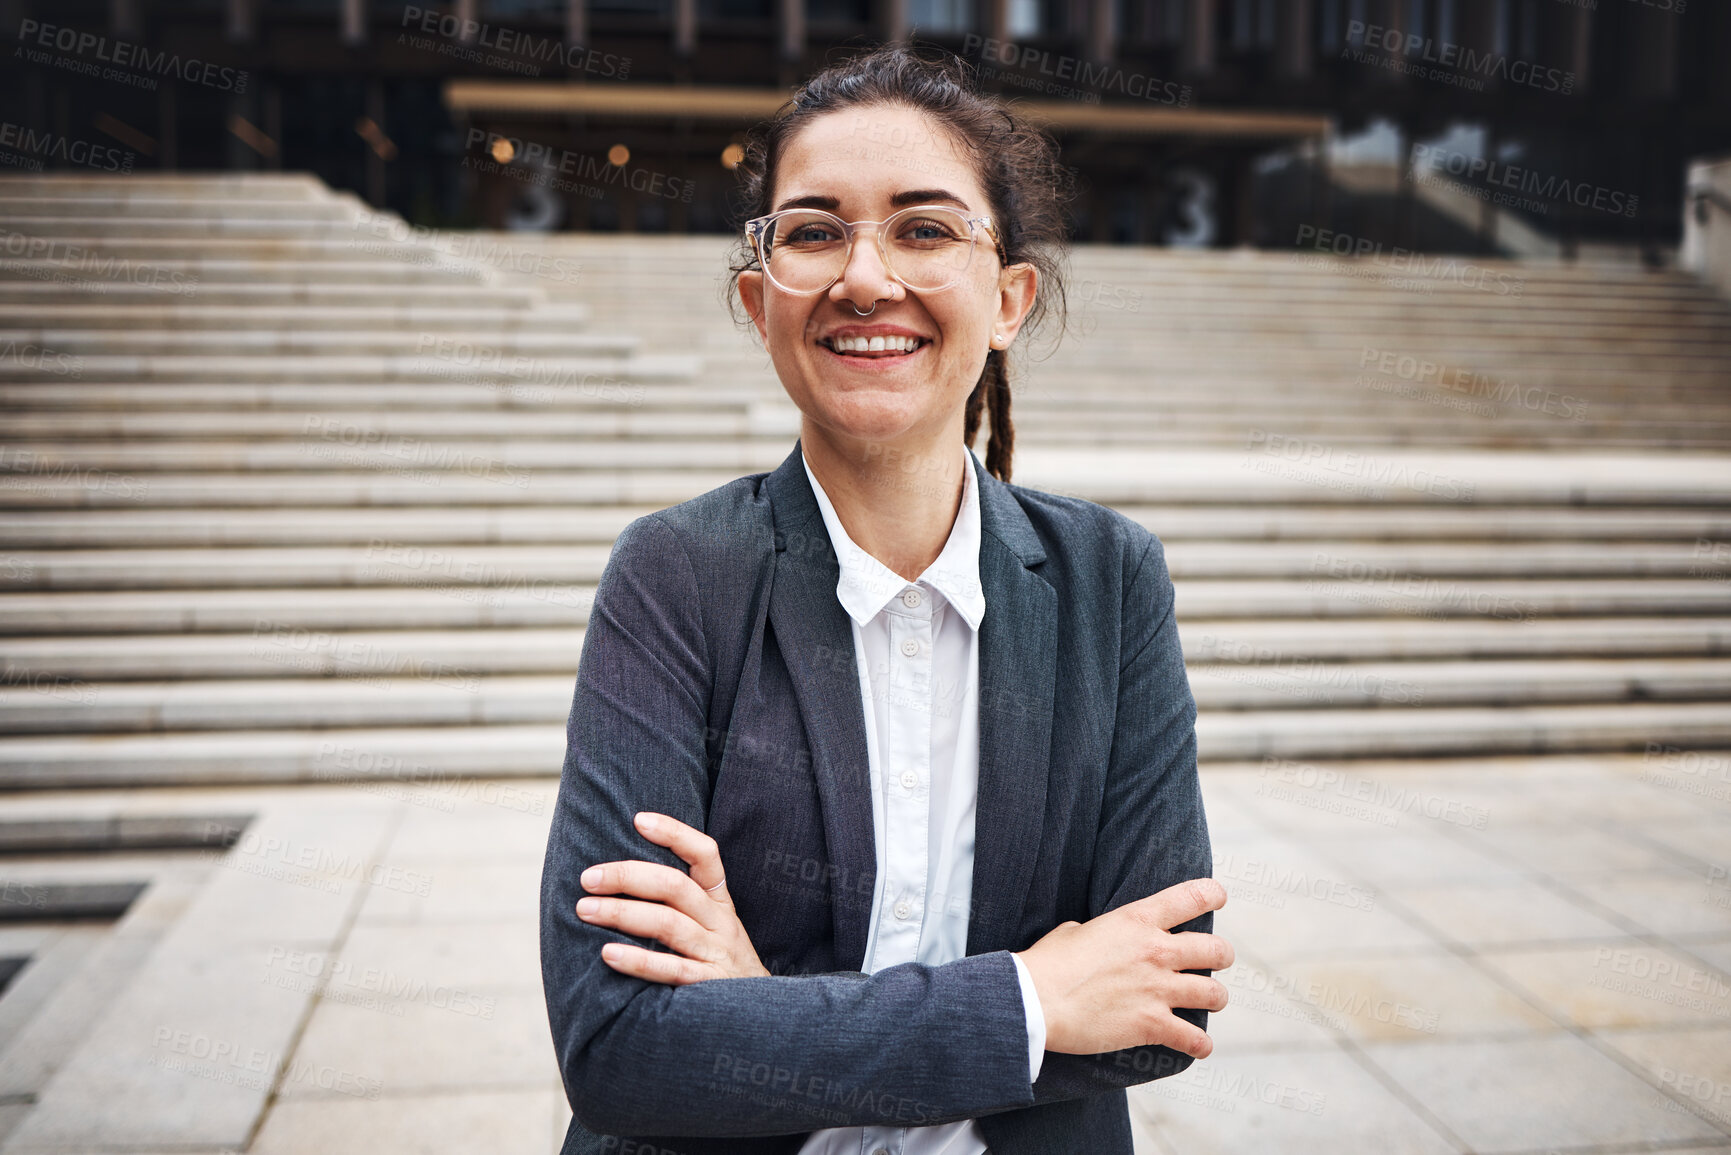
<point>865,277</point>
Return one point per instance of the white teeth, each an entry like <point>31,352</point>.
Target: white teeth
<point>875,344</point>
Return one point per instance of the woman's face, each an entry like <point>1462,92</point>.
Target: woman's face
<point>864,164</point>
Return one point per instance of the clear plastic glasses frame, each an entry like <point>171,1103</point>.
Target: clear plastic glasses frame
<point>760,228</point>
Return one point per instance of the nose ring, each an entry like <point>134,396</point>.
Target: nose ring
<point>868,312</point>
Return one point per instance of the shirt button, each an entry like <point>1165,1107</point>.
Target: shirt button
<point>910,779</point>
<point>881,1151</point>
<point>904,908</point>
<point>911,648</point>
<point>911,599</point>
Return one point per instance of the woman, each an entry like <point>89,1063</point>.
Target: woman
<point>903,751</point>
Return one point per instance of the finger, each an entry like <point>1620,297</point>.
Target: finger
<point>656,882</point>
<point>1186,1037</point>
<point>1198,993</point>
<point>671,928</point>
<point>693,845</point>
<point>1179,904</point>
<point>1196,951</point>
<point>654,966</point>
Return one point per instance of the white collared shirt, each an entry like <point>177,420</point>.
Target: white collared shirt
<point>918,649</point>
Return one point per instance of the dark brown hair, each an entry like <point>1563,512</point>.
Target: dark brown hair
<point>1016,163</point>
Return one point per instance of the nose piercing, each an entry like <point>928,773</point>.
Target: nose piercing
<point>868,312</point>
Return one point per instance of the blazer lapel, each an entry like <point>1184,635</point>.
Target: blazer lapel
<point>1018,665</point>
<point>816,640</point>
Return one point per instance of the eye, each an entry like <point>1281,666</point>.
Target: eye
<point>811,233</point>
<point>927,230</point>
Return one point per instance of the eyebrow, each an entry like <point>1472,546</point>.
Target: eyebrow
<point>915,196</point>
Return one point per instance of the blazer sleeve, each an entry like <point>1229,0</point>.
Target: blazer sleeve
<point>911,1044</point>
<point>1153,833</point>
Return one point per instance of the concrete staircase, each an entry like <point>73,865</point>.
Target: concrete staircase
<point>294,493</point>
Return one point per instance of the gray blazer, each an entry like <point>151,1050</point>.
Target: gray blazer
<point>717,684</point>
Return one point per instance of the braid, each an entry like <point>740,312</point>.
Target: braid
<point>1003,442</point>
<point>992,392</point>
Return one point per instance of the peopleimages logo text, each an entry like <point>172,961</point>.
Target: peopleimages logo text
<point>124,54</point>
<point>529,47</point>
<point>1410,47</point>
<point>1524,180</point>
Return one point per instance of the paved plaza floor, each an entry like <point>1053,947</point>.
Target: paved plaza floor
<point>1520,955</point>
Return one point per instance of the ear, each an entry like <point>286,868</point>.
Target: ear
<point>751,296</point>
<point>1017,285</point>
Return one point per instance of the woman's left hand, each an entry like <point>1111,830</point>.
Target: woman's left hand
<point>700,926</point>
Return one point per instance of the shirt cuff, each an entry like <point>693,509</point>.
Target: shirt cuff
<point>1036,1018</point>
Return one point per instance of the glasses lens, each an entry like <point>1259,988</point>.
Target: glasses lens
<point>804,251</point>
<point>929,248</point>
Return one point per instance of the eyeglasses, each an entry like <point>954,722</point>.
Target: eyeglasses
<point>925,247</point>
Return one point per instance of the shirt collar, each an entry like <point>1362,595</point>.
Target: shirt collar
<point>867,585</point>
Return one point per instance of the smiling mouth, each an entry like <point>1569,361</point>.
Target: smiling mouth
<point>874,348</point>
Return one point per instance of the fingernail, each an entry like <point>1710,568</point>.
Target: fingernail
<point>647,821</point>
<point>588,905</point>
<point>592,876</point>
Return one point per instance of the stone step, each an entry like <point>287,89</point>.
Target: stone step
<point>347,444</point>
<point>167,528</point>
<point>119,321</point>
<point>1309,327</point>
<point>1614,437</point>
<point>247,757</point>
<point>200,232</point>
<point>275,649</point>
<point>288,186</point>
<point>1187,358</point>
<point>440,694</point>
<point>1284,470</point>
<point>127,430</point>
<point>403,293</point>
<point>433,347</point>
<point>1657,437</point>
<point>428,753</point>
<point>1250,641</point>
<point>16,208</point>
<point>256,242</point>
<point>1396,573</point>
<point>268,367</point>
<point>1443,731</point>
<point>1082,395</point>
<point>180,437</point>
<point>171,274</point>
<point>542,395</point>
<point>409,487</point>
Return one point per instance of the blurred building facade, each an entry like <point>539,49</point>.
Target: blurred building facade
<point>1191,122</point>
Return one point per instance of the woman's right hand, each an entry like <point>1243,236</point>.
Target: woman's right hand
<point>1111,982</point>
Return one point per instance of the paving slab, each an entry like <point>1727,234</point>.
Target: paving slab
<point>1503,912</point>
<point>1549,1092</point>
<point>1314,1102</point>
<point>449,1121</point>
<point>1622,983</point>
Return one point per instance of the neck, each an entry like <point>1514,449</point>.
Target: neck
<point>897,500</point>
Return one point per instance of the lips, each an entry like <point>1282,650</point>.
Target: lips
<point>891,349</point>
<point>882,341</point>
